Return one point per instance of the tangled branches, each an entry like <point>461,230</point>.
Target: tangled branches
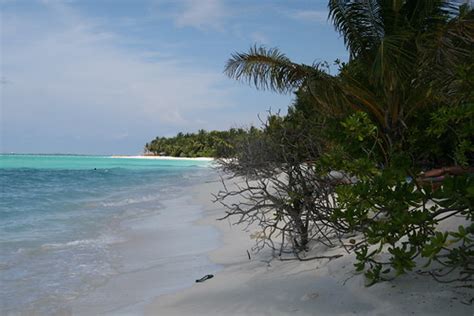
<point>279,190</point>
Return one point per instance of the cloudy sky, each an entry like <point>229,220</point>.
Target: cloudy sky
<point>106,76</point>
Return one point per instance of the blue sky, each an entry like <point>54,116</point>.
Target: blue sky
<point>106,76</point>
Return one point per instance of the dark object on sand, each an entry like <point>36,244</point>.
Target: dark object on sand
<point>204,278</point>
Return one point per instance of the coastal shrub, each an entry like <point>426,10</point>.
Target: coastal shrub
<point>403,216</point>
<point>395,124</point>
<point>397,118</point>
<point>407,222</point>
<point>279,190</point>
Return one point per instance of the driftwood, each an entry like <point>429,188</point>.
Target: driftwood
<point>277,189</point>
<point>205,278</point>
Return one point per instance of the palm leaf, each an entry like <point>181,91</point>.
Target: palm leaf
<point>359,22</point>
<point>268,69</point>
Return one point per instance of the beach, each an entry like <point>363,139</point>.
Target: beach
<point>267,286</point>
<point>88,235</point>
<point>220,157</point>
<point>131,236</point>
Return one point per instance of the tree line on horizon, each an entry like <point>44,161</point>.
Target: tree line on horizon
<point>377,158</point>
<point>216,144</point>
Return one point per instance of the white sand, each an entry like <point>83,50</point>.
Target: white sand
<point>318,287</point>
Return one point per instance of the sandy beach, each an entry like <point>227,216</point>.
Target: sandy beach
<point>266,286</point>
<point>221,158</point>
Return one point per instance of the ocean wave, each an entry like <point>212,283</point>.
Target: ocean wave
<point>130,201</point>
<point>101,241</point>
<point>4,266</point>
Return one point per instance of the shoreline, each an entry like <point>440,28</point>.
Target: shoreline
<point>163,158</point>
<point>158,256</point>
<point>266,286</point>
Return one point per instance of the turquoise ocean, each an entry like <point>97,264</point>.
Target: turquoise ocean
<point>74,230</point>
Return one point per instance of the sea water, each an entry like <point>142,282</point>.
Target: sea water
<point>77,231</point>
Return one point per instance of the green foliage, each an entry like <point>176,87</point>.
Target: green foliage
<point>394,215</point>
<point>359,126</point>
<point>217,144</point>
<point>402,105</point>
<point>454,125</point>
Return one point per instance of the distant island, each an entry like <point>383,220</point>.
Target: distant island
<point>215,144</point>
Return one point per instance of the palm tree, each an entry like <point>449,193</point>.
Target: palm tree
<point>404,56</point>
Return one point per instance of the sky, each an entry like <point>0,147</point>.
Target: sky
<point>107,76</point>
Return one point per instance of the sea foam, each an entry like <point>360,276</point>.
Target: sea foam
<point>65,224</point>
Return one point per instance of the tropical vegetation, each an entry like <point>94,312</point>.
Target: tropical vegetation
<point>377,158</point>
<point>396,121</point>
<point>200,144</point>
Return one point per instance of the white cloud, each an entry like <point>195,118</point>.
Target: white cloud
<point>66,72</point>
<point>318,16</point>
<point>200,14</point>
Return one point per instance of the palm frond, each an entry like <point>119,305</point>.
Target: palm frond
<point>422,15</point>
<point>267,69</point>
<point>445,48</point>
<point>328,96</point>
<point>362,98</point>
<point>342,94</point>
<point>359,22</point>
<point>393,60</point>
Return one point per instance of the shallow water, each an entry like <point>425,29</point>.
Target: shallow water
<point>74,229</point>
